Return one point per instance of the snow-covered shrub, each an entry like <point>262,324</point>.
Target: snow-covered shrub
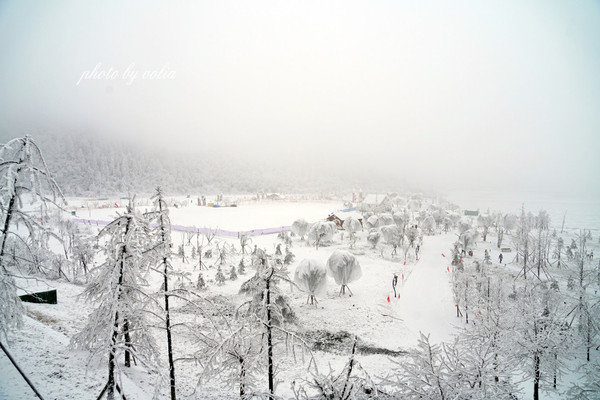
<point>467,239</point>
<point>321,233</point>
<point>463,227</point>
<point>300,227</point>
<point>372,221</point>
<point>428,225</point>
<point>374,237</point>
<point>311,277</point>
<point>351,225</point>
<point>391,233</point>
<point>344,268</point>
<point>400,219</point>
<point>219,277</point>
<point>385,219</point>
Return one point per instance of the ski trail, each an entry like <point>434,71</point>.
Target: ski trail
<point>426,298</point>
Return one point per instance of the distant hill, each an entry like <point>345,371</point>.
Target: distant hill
<point>86,165</point>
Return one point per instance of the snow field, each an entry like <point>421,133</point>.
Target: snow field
<point>425,304</point>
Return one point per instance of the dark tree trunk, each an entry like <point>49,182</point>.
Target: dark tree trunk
<point>110,394</point>
<point>127,337</point>
<point>466,301</point>
<point>242,377</point>
<point>269,336</point>
<point>167,313</point>
<point>9,211</point>
<point>536,379</point>
<point>5,229</point>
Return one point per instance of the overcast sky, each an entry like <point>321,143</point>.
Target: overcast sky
<point>463,94</point>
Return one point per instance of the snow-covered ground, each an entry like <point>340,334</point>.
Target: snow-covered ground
<point>380,320</point>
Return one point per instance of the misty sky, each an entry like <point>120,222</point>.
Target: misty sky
<point>463,94</point>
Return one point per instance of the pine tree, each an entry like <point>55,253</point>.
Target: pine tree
<point>200,284</point>
<point>220,277</point>
<point>163,253</point>
<point>120,323</point>
<point>241,267</point>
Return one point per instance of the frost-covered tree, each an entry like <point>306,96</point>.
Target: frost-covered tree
<point>300,227</point>
<point>428,225</point>
<point>352,225</point>
<point>372,222</point>
<point>510,222</point>
<point>385,219</point>
<point>541,335</point>
<point>391,234</point>
<point>374,237</point>
<point>463,369</point>
<point>24,175</point>
<point>232,274</point>
<point>413,235</point>
<point>486,222</point>
<point>344,268</point>
<point>311,276</point>
<point>583,295</point>
<point>271,309</point>
<point>467,239</point>
<point>219,276</point>
<point>321,233</point>
<point>162,260</point>
<point>120,324</point>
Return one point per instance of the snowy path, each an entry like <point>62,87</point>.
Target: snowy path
<point>426,302</point>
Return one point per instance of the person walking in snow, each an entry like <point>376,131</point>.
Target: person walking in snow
<point>417,251</point>
<point>394,283</point>
<point>500,257</point>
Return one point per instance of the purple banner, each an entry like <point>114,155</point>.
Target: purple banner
<point>218,232</point>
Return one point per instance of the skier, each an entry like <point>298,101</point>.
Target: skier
<point>417,251</point>
<point>500,257</point>
<point>394,282</point>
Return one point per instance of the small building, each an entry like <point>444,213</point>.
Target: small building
<point>338,221</point>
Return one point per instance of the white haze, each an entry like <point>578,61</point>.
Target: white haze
<point>445,95</point>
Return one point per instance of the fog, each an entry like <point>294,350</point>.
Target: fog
<point>445,96</point>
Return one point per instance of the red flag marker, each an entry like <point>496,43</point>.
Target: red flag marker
<point>398,295</point>
<point>448,269</point>
<point>443,255</point>
<point>388,299</point>
<point>404,262</point>
<point>402,276</point>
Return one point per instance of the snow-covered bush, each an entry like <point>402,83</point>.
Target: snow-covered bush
<point>311,277</point>
<point>321,233</point>
<point>374,237</point>
<point>300,227</point>
<point>428,224</point>
<point>372,221</point>
<point>391,234</point>
<point>385,219</point>
<point>344,268</point>
<point>351,225</point>
<point>467,239</point>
